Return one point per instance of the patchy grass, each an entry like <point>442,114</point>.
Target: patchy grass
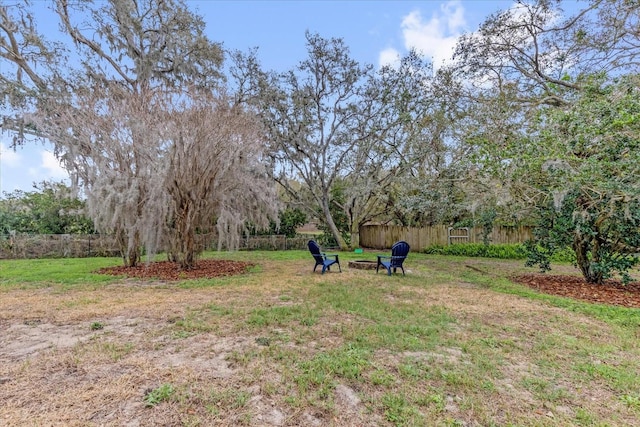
<point>32,273</point>
<point>453,342</point>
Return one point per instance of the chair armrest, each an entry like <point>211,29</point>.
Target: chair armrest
<point>330,255</point>
<point>380,258</point>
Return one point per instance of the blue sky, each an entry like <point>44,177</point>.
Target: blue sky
<point>375,31</point>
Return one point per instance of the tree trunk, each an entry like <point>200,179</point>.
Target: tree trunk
<point>355,239</point>
<point>184,235</point>
<point>188,251</point>
<point>586,257</point>
<point>332,225</point>
<point>130,255</point>
<point>133,253</point>
<point>133,256</point>
<point>122,245</point>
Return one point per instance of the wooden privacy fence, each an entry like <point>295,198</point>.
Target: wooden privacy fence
<point>384,236</point>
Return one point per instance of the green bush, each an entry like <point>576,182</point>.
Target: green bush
<point>504,251</point>
<point>564,255</point>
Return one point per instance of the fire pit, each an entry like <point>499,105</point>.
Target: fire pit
<point>363,265</point>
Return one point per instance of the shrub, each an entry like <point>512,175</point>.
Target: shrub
<point>503,251</point>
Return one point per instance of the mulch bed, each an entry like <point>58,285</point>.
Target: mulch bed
<point>166,270</point>
<point>612,292</point>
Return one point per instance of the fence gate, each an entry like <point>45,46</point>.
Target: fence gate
<point>458,235</point>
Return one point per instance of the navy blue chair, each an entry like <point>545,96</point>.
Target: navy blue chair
<point>325,260</point>
<point>399,252</point>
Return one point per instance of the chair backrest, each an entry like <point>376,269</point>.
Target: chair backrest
<point>314,248</point>
<point>399,252</point>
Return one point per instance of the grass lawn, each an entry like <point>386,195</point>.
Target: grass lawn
<point>452,343</point>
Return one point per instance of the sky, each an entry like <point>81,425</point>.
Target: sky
<point>376,31</point>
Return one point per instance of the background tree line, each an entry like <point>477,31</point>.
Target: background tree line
<point>51,208</point>
<point>534,120</point>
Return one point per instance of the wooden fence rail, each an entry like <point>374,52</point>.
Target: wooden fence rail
<point>95,245</point>
<point>384,236</point>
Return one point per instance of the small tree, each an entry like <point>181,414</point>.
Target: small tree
<point>214,175</point>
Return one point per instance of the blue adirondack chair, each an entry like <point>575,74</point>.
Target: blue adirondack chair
<point>325,260</point>
<point>399,252</point>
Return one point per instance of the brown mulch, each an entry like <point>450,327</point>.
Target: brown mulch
<point>166,270</point>
<point>612,292</point>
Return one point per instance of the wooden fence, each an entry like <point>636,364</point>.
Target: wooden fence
<point>384,236</point>
<point>96,245</point>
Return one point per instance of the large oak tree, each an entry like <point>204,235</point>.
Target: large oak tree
<point>122,111</point>
<point>340,134</point>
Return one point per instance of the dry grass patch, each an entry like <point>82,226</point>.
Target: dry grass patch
<point>281,346</point>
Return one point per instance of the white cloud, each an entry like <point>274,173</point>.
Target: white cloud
<point>52,166</point>
<point>454,12</point>
<point>31,163</point>
<point>9,158</point>
<point>435,38</point>
<point>389,56</point>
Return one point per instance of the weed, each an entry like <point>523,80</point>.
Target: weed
<point>95,326</point>
<point>584,418</point>
<point>410,371</point>
<point>399,411</point>
<point>273,316</point>
<point>631,400</point>
<point>158,395</point>
<point>264,341</point>
<point>381,377</point>
<point>193,323</point>
<point>435,400</point>
<point>117,351</point>
<point>282,315</point>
